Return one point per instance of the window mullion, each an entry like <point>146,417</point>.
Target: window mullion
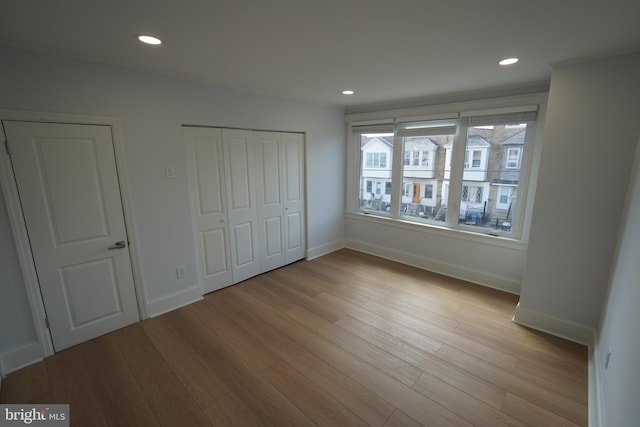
<point>396,174</point>
<point>457,170</point>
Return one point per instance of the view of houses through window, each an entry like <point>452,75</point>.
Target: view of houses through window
<point>488,185</point>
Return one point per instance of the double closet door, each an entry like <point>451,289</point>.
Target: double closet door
<point>247,202</point>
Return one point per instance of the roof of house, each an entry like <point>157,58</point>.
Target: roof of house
<point>517,139</point>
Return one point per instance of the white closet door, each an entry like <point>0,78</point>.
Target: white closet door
<point>294,197</point>
<point>269,185</point>
<point>241,202</point>
<point>208,206</point>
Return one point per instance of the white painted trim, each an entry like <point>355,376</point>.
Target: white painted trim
<point>324,249</point>
<point>554,326</point>
<point>595,398</point>
<point>18,228</point>
<point>173,301</point>
<point>474,276</point>
<point>20,357</point>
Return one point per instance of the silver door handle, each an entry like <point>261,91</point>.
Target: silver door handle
<point>119,245</point>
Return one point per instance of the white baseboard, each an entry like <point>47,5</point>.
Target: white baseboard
<point>324,249</point>
<point>554,326</point>
<point>20,357</point>
<point>458,272</point>
<point>176,300</point>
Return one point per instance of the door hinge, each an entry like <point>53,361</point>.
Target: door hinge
<point>46,322</point>
<point>6,146</point>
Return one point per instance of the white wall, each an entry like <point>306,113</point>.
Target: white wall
<point>620,382</point>
<point>152,109</point>
<point>455,254</point>
<point>590,134</point>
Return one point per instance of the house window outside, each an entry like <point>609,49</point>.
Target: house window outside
<point>428,191</point>
<point>513,158</point>
<point>376,160</point>
<point>472,194</point>
<point>425,159</point>
<point>476,159</point>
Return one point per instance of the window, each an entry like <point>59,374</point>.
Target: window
<point>375,166</point>
<point>376,160</point>
<point>513,158</point>
<point>428,191</point>
<point>425,159</point>
<point>472,194</point>
<point>461,172</point>
<point>422,143</point>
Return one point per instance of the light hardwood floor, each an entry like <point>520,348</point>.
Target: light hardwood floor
<point>345,339</point>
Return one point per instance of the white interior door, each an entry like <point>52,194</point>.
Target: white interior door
<point>68,185</point>
<point>241,202</point>
<point>268,147</point>
<point>294,197</point>
<point>208,206</point>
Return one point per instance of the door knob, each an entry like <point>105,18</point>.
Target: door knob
<point>118,245</point>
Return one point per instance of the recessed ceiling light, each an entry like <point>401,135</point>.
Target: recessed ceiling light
<point>147,39</point>
<point>508,61</point>
<point>348,92</point>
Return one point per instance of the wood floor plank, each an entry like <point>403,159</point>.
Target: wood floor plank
<point>400,419</point>
<point>231,411</point>
<point>273,317</point>
<point>267,403</point>
<point>71,383</point>
<point>142,357</point>
<point>314,402</point>
<point>532,414</point>
<point>203,384</point>
<point>370,318</point>
<point>463,404</point>
<point>27,384</point>
<point>503,343</point>
<point>243,345</point>
<point>198,332</point>
<point>409,401</point>
<point>570,409</point>
<point>364,403</point>
<point>120,395</point>
<point>386,362</point>
<point>172,405</point>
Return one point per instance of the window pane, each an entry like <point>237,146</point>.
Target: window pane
<point>426,175</point>
<point>375,166</point>
<point>491,175</point>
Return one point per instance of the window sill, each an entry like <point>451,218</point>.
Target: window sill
<point>454,233</point>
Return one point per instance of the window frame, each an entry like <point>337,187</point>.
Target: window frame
<point>529,162</point>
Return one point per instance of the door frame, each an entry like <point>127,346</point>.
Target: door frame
<point>18,224</point>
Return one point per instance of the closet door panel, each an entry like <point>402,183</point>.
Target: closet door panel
<point>294,196</point>
<point>208,206</point>
<point>243,216</point>
<point>269,197</point>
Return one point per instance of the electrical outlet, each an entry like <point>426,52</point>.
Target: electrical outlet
<point>170,172</point>
<point>180,272</point>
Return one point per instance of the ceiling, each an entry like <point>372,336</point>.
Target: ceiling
<point>310,50</point>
